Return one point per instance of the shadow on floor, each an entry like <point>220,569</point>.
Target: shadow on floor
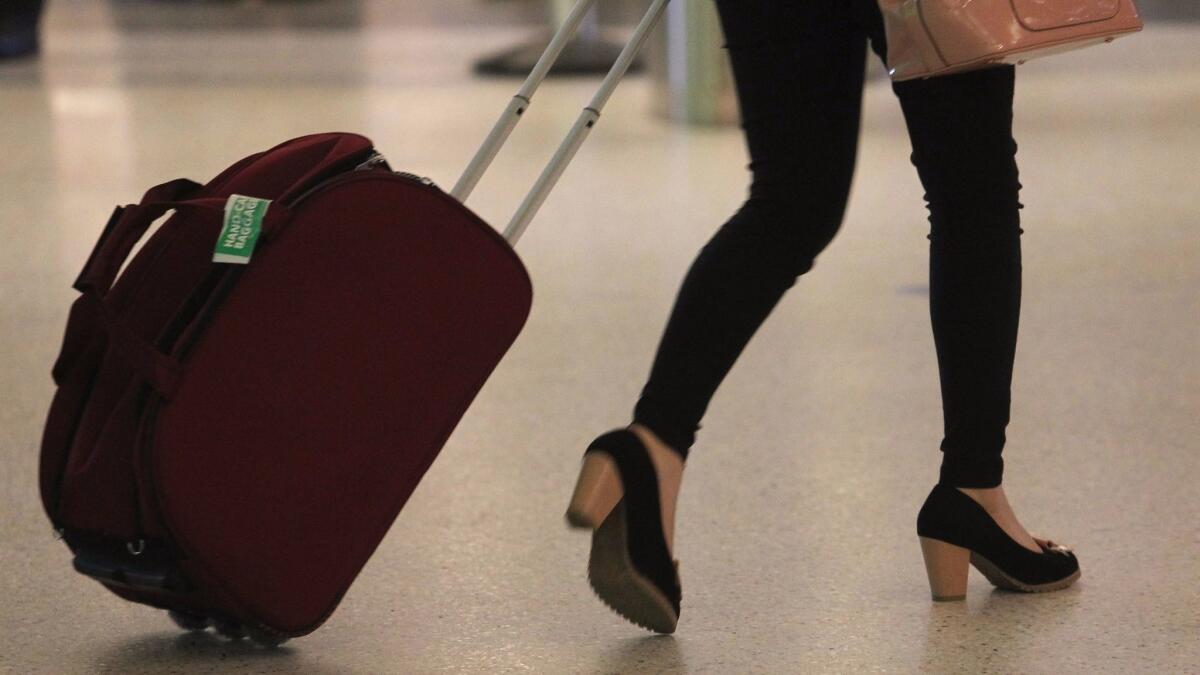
<point>649,654</point>
<point>170,651</point>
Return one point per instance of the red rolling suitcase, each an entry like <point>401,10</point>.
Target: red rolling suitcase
<point>242,412</point>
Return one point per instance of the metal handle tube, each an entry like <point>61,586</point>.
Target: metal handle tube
<point>550,175</point>
<point>520,103</point>
<point>566,152</point>
<point>635,44</point>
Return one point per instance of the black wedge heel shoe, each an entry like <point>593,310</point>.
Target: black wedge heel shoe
<point>617,497</point>
<point>955,530</point>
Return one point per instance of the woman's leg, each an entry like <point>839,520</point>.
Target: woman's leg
<point>961,131</point>
<point>798,68</point>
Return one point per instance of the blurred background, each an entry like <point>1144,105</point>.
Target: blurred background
<point>796,520</point>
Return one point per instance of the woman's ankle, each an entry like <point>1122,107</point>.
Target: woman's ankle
<point>668,465</point>
<point>992,498</point>
<point>653,440</point>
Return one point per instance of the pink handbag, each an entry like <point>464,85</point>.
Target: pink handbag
<point>939,37</point>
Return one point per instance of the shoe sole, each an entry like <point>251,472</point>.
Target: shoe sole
<point>1001,580</point>
<point>619,585</point>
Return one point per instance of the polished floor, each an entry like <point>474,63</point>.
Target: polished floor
<point>796,521</point>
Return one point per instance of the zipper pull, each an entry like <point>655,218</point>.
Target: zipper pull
<point>413,176</point>
<point>376,159</point>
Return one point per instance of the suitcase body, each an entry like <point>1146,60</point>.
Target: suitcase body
<point>233,435</point>
<point>322,399</point>
<point>311,390</point>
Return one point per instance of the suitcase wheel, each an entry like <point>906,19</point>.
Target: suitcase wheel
<point>230,629</point>
<point>188,620</point>
<point>265,637</point>
<point>191,620</point>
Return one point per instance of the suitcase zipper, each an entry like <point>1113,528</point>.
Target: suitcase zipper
<point>375,161</point>
<point>413,176</point>
<point>351,175</point>
<point>378,160</point>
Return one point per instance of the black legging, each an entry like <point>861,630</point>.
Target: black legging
<point>799,69</point>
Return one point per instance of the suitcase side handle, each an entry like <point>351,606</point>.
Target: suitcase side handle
<point>579,132</point>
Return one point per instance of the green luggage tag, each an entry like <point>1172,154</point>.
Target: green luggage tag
<point>243,223</point>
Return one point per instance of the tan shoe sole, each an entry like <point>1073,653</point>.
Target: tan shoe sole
<point>619,585</point>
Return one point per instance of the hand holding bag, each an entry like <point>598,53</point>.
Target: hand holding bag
<point>939,37</point>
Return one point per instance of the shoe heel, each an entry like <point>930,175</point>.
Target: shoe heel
<point>596,493</point>
<point>947,566</point>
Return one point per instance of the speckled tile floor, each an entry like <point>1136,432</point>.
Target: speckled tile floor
<point>796,526</point>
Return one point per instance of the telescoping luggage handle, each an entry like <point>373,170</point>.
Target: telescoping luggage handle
<point>587,119</point>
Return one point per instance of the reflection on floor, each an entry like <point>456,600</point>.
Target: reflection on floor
<point>796,519</point>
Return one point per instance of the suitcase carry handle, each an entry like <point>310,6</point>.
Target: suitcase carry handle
<point>125,228</point>
<point>90,314</point>
<point>128,225</point>
<point>578,134</point>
